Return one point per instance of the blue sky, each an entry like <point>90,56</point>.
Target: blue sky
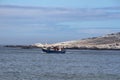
<point>34,21</point>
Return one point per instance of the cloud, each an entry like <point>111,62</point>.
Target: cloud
<point>40,23</point>
<point>50,19</point>
<point>59,14</point>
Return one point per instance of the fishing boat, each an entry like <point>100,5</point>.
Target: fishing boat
<point>53,50</point>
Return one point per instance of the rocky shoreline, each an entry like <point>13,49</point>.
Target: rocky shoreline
<point>107,42</point>
<point>72,48</point>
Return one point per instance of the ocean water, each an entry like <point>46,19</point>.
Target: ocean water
<point>33,64</point>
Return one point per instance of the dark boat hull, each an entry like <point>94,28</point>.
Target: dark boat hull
<point>53,51</point>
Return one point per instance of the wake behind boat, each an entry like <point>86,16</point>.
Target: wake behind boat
<point>53,50</point>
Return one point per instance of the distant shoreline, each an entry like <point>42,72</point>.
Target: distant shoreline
<point>107,42</point>
<point>31,47</point>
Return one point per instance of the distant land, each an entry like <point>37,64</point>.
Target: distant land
<point>107,42</point>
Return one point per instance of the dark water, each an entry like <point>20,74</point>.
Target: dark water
<point>33,64</point>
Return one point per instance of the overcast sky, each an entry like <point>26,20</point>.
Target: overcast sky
<point>41,21</point>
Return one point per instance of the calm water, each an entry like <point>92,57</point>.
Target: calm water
<point>33,64</point>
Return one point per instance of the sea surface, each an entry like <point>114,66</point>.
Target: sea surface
<point>33,64</point>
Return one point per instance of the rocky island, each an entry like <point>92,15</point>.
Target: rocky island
<point>107,42</point>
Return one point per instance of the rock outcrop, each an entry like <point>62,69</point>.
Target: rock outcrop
<point>110,41</point>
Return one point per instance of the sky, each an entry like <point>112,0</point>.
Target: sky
<point>51,21</point>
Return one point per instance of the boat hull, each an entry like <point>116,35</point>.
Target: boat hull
<point>53,51</point>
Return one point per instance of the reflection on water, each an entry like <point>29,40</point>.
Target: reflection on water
<point>33,64</point>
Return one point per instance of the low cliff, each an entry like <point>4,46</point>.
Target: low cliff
<point>110,41</point>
